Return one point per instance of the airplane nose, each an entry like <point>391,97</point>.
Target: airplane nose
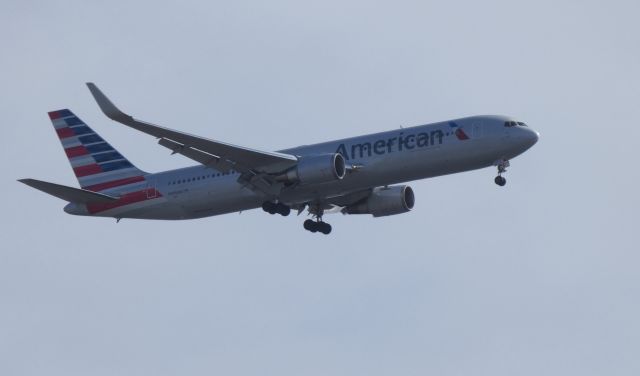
<point>527,137</point>
<point>535,136</point>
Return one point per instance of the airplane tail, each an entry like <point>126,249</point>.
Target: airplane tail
<point>96,164</point>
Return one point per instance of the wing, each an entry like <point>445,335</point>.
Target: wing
<point>219,155</point>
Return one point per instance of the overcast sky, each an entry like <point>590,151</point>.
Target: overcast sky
<point>538,277</point>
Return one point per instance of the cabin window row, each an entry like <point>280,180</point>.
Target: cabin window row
<point>202,177</point>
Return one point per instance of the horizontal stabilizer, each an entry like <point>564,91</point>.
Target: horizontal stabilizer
<point>75,195</point>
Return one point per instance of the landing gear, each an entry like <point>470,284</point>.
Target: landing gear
<point>313,225</point>
<point>310,225</point>
<point>500,180</point>
<point>317,226</point>
<point>502,168</point>
<point>273,208</point>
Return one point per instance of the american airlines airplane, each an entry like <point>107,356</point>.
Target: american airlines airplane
<point>353,176</point>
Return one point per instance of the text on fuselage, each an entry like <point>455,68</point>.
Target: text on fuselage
<point>391,144</point>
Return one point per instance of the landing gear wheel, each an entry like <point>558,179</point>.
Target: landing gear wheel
<point>284,210</point>
<point>313,226</point>
<point>310,225</point>
<point>269,207</point>
<point>273,208</point>
<point>324,228</point>
<point>501,181</point>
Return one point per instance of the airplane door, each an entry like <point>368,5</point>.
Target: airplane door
<point>151,190</point>
<point>477,130</point>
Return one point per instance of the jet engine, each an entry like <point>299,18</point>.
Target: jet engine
<point>315,169</point>
<point>384,201</point>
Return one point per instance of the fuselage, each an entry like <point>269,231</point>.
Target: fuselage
<point>374,160</point>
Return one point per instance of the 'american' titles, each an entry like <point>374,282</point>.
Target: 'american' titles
<point>389,145</point>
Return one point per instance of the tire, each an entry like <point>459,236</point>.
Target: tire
<point>325,228</point>
<point>310,225</point>
<point>501,181</point>
<point>284,210</point>
<point>269,207</point>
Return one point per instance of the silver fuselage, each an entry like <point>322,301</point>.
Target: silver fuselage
<point>379,159</point>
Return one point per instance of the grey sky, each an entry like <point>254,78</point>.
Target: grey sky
<point>540,277</point>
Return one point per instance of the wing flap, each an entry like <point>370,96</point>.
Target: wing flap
<point>200,156</point>
<point>250,159</point>
<point>70,194</point>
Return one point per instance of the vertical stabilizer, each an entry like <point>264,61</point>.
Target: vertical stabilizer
<point>96,164</point>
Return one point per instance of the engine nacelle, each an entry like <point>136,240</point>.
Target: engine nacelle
<point>385,201</point>
<point>316,169</point>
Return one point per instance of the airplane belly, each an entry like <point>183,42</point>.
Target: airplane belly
<point>221,198</point>
<point>165,211</point>
<point>156,208</point>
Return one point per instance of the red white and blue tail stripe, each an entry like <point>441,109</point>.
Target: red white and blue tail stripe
<point>96,164</point>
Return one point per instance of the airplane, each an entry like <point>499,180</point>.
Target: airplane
<point>359,175</point>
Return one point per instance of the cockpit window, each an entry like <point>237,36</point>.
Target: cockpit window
<point>509,124</point>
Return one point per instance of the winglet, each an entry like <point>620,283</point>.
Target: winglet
<point>106,105</point>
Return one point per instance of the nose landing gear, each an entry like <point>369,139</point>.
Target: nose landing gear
<point>502,168</point>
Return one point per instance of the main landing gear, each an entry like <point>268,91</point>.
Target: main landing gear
<point>502,168</point>
<point>312,225</point>
<point>276,207</point>
<point>317,226</point>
